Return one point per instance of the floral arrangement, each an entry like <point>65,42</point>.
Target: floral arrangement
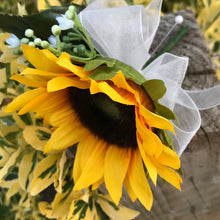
<point>81,107</point>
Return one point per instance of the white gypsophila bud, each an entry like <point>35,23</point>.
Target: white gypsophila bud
<point>24,40</point>
<point>37,41</point>
<point>52,41</point>
<point>72,8</point>
<point>45,44</point>
<point>56,30</point>
<point>69,15</point>
<point>179,19</point>
<point>31,43</point>
<point>29,33</point>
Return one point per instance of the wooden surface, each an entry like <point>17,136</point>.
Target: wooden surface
<point>200,195</point>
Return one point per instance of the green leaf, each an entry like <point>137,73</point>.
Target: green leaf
<point>7,120</point>
<point>155,88</point>
<point>164,111</point>
<point>41,23</point>
<point>93,64</point>
<point>110,69</point>
<point>42,135</point>
<point>101,213</point>
<point>50,170</point>
<point>26,118</point>
<point>103,73</point>
<point>4,212</point>
<point>79,205</point>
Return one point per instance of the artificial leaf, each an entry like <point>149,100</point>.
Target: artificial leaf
<point>155,88</point>
<point>106,72</point>
<point>164,111</point>
<point>93,64</point>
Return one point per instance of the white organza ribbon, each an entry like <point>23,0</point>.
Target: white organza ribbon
<point>126,33</point>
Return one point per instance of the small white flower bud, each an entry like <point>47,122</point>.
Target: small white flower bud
<point>69,15</point>
<point>72,8</point>
<point>179,19</point>
<point>31,43</point>
<point>56,30</point>
<point>45,44</point>
<point>24,40</point>
<point>37,41</point>
<point>29,33</point>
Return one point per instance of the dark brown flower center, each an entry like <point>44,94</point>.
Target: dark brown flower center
<point>111,121</point>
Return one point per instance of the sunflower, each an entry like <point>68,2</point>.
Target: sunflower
<point>112,121</point>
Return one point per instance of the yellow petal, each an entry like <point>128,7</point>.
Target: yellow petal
<point>84,150</point>
<point>46,102</point>
<point>93,169</point>
<point>63,82</point>
<point>129,189</point>
<point>65,136</point>
<point>39,182</point>
<point>42,73</point>
<point>28,81</point>
<point>65,62</point>
<point>145,138</point>
<point>139,181</point>
<point>21,100</point>
<point>116,166</point>
<point>168,174</point>
<point>150,167</point>
<point>169,158</point>
<point>41,59</point>
<point>105,88</point>
<point>156,121</point>
<point>120,81</point>
<point>34,138</point>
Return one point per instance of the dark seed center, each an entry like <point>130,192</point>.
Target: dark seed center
<point>111,121</point>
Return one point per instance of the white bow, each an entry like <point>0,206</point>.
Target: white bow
<point>126,33</point>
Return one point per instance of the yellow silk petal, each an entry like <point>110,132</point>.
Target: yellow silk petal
<point>145,138</point>
<point>168,174</point>
<point>21,100</point>
<point>43,73</point>
<point>150,167</point>
<point>38,183</point>
<point>28,81</point>
<point>139,181</point>
<point>41,59</point>
<point>120,81</point>
<point>97,184</point>
<point>129,189</point>
<point>47,102</point>
<point>169,158</point>
<point>116,166</point>
<point>156,121</point>
<point>65,62</point>
<point>65,136</point>
<point>105,88</point>
<point>63,82</point>
<point>84,150</point>
<point>93,169</point>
